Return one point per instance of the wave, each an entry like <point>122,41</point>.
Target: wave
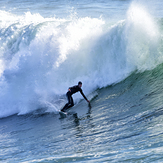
<point>41,57</point>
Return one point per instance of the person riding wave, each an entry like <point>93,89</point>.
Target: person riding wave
<point>71,91</point>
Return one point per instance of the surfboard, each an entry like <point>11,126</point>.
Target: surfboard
<point>63,114</point>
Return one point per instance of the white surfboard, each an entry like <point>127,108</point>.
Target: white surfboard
<point>63,114</point>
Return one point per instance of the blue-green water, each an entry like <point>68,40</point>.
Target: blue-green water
<point>114,47</point>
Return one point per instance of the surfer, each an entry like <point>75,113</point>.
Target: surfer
<point>69,94</point>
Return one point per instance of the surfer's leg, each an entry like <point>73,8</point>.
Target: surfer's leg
<point>70,102</point>
<point>65,107</point>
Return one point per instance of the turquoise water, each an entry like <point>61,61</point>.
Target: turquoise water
<point>114,48</point>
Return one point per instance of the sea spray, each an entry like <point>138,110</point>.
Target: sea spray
<point>42,60</point>
<point>142,37</point>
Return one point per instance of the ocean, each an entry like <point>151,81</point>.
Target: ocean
<point>115,47</point>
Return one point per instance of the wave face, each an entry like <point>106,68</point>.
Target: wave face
<point>41,57</point>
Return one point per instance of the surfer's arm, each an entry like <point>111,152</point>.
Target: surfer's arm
<point>84,96</point>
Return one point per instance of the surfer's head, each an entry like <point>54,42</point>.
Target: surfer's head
<point>80,84</point>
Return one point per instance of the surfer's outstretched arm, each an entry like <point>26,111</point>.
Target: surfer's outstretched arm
<point>84,96</point>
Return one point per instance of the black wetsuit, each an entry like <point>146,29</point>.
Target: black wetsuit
<point>69,94</point>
